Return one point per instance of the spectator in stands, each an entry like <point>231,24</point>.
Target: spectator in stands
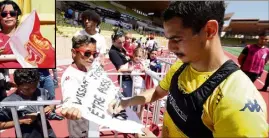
<point>134,44</point>
<point>91,20</point>
<point>5,83</point>
<point>29,118</point>
<point>151,43</point>
<point>146,41</point>
<point>69,13</point>
<point>136,66</point>
<point>254,57</point>
<point>128,46</point>
<point>139,41</point>
<point>47,83</point>
<point>9,22</point>
<point>201,90</point>
<point>84,52</point>
<point>80,18</point>
<point>143,45</point>
<point>119,57</point>
<point>155,64</point>
<point>76,16</point>
<point>55,78</point>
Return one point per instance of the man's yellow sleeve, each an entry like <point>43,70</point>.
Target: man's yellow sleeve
<point>165,82</point>
<point>242,111</point>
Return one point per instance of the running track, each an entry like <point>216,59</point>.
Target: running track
<point>60,127</point>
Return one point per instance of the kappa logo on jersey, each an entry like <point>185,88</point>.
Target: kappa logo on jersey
<point>252,106</point>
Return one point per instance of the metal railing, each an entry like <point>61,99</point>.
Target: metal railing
<point>13,106</point>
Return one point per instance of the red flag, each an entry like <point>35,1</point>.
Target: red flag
<point>30,47</point>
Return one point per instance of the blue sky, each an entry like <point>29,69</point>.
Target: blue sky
<point>249,9</point>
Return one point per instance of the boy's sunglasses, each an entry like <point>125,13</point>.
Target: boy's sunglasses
<point>11,13</point>
<point>88,53</point>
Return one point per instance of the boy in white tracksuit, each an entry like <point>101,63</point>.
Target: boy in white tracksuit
<point>83,53</point>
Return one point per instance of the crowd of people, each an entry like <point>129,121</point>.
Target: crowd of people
<point>208,94</point>
<point>201,85</point>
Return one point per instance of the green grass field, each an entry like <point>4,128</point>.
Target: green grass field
<point>233,50</point>
<point>237,50</point>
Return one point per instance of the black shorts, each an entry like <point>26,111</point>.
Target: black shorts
<point>253,76</point>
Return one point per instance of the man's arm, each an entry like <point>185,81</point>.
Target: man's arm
<point>246,116</point>
<point>125,68</point>
<point>11,124</point>
<point>7,57</point>
<point>6,121</point>
<point>115,59</point>
<point>242,56</point>
<point>7,125</point>
<point>148,96</point>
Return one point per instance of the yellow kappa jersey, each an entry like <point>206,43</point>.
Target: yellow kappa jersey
<point>235,108</point>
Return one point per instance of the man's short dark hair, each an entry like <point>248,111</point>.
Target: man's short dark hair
<point>26,76</point>
<point>264,33</point>
<point>91,15</point>
<point>80,40</point>
<point>195,14</point>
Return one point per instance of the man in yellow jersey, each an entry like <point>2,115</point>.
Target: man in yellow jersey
<point>208,96</point>
<point>233,109</point>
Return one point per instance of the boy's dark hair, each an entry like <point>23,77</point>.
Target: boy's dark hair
<point>90,15</point>
<point>152,50</point>
<point>264,33</point>
<point>15,7</point>
<point>80,40</point>
<point>26,76</point>
<point>117,34</point>
<point>195,14</point>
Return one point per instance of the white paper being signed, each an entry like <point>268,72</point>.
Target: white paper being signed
<point>93,97</point>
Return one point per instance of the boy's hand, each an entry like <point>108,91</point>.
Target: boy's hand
<point>70,113</point>
<point>28,119</point>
